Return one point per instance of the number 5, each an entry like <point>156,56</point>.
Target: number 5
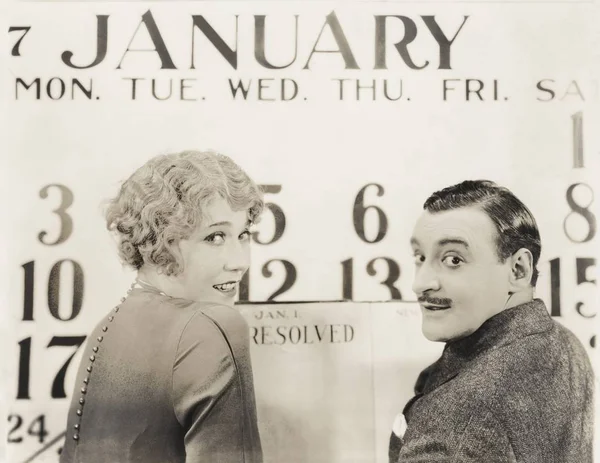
<point>582,264</point>
<point>277,214</point>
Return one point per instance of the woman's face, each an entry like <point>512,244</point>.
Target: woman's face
<point>216,256</point>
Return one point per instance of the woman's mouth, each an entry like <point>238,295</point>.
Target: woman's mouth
<point>227,288</point>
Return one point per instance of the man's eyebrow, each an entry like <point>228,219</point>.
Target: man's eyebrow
<point>459,241</point>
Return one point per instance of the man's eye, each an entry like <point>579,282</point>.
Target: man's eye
<point>216,238</point>
<point>419,259</point>
<point>452,261</point>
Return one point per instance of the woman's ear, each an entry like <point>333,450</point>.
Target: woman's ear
<point>521,270</point>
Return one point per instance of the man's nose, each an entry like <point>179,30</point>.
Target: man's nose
<point>425,280</point>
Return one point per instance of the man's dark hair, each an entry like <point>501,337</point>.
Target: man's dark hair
<point>516,228</point>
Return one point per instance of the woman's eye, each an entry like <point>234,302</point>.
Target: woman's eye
<point>452,261</point>
<point>245,235</point>
<point>419,259</point>
<point>215,238</point>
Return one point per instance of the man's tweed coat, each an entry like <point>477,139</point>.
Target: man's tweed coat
<point>519,389</point>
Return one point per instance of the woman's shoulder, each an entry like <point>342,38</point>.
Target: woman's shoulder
<point>210,315</point>
<point>190,319</point>
<point>212,328</point>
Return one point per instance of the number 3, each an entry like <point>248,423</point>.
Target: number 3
<point>66,223</point>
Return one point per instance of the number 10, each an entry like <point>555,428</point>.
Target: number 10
<point>53,290</point>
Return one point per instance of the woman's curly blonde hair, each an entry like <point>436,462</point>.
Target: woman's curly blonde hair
<point>163,202</point>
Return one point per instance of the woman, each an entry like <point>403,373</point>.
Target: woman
<point>166,376</point>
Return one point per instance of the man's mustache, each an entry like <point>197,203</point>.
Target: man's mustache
<point>435,300</point>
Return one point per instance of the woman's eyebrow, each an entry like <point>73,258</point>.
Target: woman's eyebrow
<point>218,224</point>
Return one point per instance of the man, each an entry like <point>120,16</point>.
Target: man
<point>512,385</point>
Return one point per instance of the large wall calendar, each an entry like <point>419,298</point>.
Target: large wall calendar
<point>349,115</point>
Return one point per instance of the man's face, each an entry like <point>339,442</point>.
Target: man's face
<point>459,279</point>
<point>217,255</point>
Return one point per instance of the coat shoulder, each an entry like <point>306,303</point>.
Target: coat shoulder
<point>532,358</point>
<point>515,379</point>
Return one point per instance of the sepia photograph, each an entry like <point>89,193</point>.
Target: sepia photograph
<point>258,231</point>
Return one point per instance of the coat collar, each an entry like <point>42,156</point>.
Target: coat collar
<point>504,328</point>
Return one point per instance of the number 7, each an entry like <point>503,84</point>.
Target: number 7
<point>58,386</point>
<point>16,50</point>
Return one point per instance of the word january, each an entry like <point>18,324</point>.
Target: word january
<point>199,24</point>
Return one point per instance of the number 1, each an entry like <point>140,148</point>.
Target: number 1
<point>577,140</point>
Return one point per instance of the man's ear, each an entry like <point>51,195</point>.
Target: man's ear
<point>521,270</point>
